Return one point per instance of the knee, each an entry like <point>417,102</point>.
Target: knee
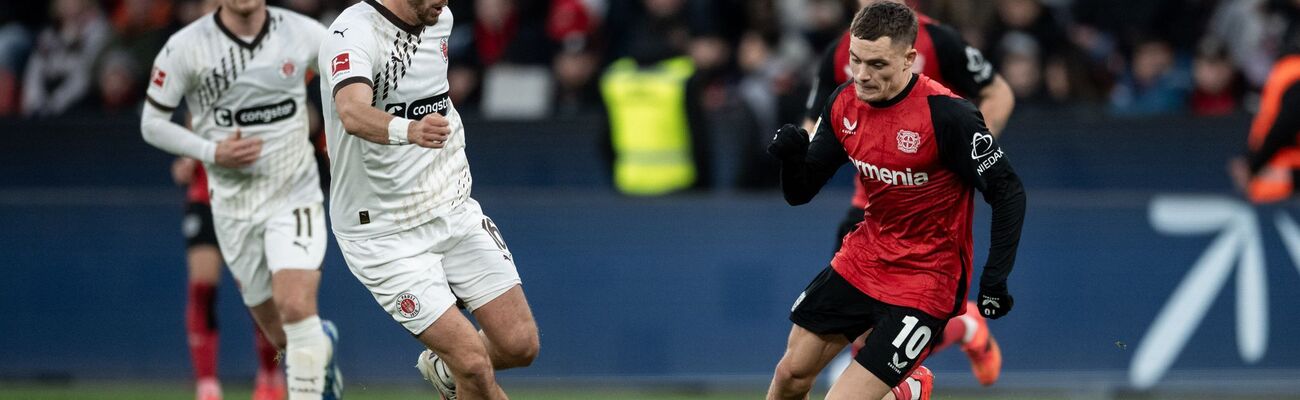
<point>523,351</point>
<point>793,376</point>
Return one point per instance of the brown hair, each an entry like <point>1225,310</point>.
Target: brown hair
<point>885,18</point>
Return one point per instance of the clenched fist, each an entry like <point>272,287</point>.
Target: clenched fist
<point>431,131</point>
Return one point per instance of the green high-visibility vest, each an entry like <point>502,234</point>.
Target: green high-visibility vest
<point>648,125</point>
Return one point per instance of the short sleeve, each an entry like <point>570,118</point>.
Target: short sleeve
<point>314,34</point>
<point>169,78</point>
<point>345,55</point>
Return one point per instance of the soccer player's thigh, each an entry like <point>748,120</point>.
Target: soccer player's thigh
<point>403,274</point>
<point>827,316</point>
<point>897,344</point>
<point>481,271</point>
<point>295,246</point>
<point>243,250</point>
<point>295,241</point>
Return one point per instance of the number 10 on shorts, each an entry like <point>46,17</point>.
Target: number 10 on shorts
<point>918,340</point>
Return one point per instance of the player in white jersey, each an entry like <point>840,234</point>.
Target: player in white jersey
<point>399,201</point>
<point>241,72</point>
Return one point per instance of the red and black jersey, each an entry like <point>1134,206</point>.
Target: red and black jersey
<point>918,156</point>
<point>942,55</point>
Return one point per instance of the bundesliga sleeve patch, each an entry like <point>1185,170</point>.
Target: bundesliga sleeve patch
<point>159,77</point>
<point>340,64</point>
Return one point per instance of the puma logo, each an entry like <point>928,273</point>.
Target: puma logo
<point>340,33</point>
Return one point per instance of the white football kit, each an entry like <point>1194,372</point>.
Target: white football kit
<point>402,213</point>
<point>268,215</point>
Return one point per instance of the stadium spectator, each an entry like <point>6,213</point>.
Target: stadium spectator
<point>658,142</point>
<point>1245,25</point>
<point>573,25</point>
<point>1217,90</point>
<point>61,68</point>
<point>575,68</point>
<point>117,81</point>
<point>1031,19</point>
<point>1020,55</point>
<point>1156,81</point>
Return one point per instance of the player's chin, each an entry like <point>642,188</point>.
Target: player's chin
<point>867,94</point>
<point>430,15</point>
<point>245,7</point>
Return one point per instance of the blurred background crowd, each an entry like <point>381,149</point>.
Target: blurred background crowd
<point>1148,57</point>
<point>752,59</point>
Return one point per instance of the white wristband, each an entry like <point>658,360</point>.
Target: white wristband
<point>397,131</point>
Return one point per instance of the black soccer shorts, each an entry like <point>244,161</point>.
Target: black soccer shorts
<point>197,225</point>
<point>900,339</point>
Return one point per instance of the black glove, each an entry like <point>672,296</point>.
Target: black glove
<point>790,143</point>
<point>994,301</point>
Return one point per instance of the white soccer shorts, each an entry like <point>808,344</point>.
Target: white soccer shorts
<point>293,238</point>
<point>418,274</point>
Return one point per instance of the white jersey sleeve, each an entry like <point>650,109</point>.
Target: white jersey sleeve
<point>345,56</point>
<point>167,85</point>
<point>171,77</point>
<point>313,35</point>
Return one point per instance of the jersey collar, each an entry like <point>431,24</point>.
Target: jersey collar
<point>266,25</point>
<point>899,97</point>
<point>392,18</point>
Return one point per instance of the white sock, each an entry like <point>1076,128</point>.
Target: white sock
<point>915,388</point>
<point>971,326</point>
<point>305,357</point>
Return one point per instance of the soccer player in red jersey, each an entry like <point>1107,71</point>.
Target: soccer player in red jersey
<point>920,151</point>
<point>204,260</point>
<point>943,56</point>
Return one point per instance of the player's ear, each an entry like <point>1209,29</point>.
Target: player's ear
<point>909,57</point>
